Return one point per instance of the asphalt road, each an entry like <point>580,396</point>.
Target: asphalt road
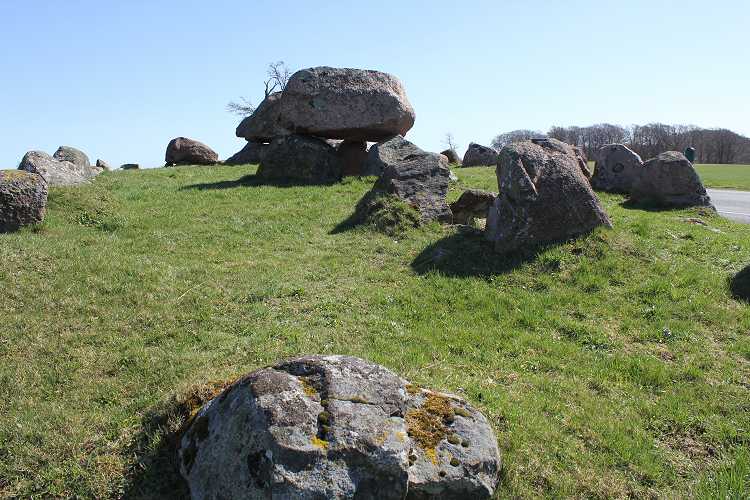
<point>732,204</point>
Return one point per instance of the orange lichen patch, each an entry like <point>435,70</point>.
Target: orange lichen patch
<point>308,388</point>
<point>426,425</point>
<point>319,443</point>
<point>412,389</point>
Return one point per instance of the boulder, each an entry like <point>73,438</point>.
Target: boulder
<point>55,172</point>
<point>617,168</point>
<point>472,204</point>
<point>478,155</point>
<point>74,156</point>
<point>130,166</point>
<point>298,158</point>
<point>103,165</point>
<point>452,156</point>
<point>345,103</point>
<point>353,156</point>
<point>337,427</point>
<point>739,285</point>
<point>251,153</point>
<point>184,151</point>
<point>415,176</point>
<point>544,197</point>
<point>23,199</point>
<point>669,181</point>
<point>263,125</point>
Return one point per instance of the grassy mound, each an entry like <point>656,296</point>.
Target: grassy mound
<point>610,366</point>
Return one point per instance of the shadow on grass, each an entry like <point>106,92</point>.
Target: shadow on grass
<point>467,254</point>
<point>650,206</point>
<point>252,180</point>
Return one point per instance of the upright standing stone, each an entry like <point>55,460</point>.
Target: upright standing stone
<point>302,159</point>
<point>617,168</point>
<point>478,155</point>
<point>670,181</point>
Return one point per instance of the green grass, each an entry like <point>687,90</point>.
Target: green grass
<point>725,176</point>
<point>612,366</point>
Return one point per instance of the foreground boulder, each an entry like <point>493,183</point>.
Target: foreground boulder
<point>617,168</point>
<point>337,427</point>
<point>23,199</point>
<point>417,177</point>
<point>353,156</point>
<point>264,124</point>
<point>54,171</point>
<point>184,151</point>
<point>251,153</point>
<point>478,155</point>
<point>345,103</point>
<point>452,156</point>
<point>544,197</point>
<point>298,158</point>
<point>670,181</point>
<point>472,204</point>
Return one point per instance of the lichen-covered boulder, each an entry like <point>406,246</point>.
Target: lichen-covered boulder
<point>300,159</point>
<point>617,168</point>
<point>477,155</point>
<point>345,103</point>
<point>23,199</point>
<point>415,176</point>
<point>73,155</point>
<point>452,156</point>
<point>544,197</point>
<point>251,153</point>
<point>263,125</point>
<point>669,181</point>
<point>184,151</point>
<point>353,156</point>
<point>337,427</point>
<point>54,171</point>
<point>472,204</point>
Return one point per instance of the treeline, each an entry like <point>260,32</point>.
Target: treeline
<point>711,145</point>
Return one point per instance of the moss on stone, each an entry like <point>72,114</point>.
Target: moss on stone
<point>427,425</point>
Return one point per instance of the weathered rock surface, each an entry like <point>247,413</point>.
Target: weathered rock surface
<point>415,176</point>
<point>583,161</point>
<point>617,168</point>
<point>264,124</point>
<point>298,158</point>
<point>670,181</point>
<point>337,427</point>
<point>184,151</point>
<point>472,204</point>
<point>544,197</point>
<point>23,199</point>
<point>478,155</point>
<point>251,153</point>
<point>55,172</point>
<point>452,156</point>
<point>353,156</point>
<point>74,156</point>
<point>345,103</point>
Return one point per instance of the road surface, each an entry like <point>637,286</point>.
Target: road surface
<point>732,204</point>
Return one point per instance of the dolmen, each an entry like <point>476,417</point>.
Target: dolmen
<point>184,151</point>
<point>668,181</point>
<point>477,155</point>
<point>544,197</point>
<point>67,167</point>
<point>23,199</point>
<point>354,106</point>
<point>337,427</point>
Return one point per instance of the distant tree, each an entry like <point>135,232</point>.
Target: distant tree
<point>278,76</point>
<point>450,142</point>
<point>502,140</point>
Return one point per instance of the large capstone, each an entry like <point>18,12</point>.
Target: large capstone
<point>478,155</point>
<point>670,181</point>
<point>300,159</point>
<point>252,153</point>
<point>184,151</point>
<point>337,427</point>
<point>23,199</point>
<point>54,171</point>
<point>617,168</point>
<point>417,177</point>
<point>263,125</point>
<point>345,103</point>
<point>544,197</point>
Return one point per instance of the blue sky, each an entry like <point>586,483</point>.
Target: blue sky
<point>120,79</point>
